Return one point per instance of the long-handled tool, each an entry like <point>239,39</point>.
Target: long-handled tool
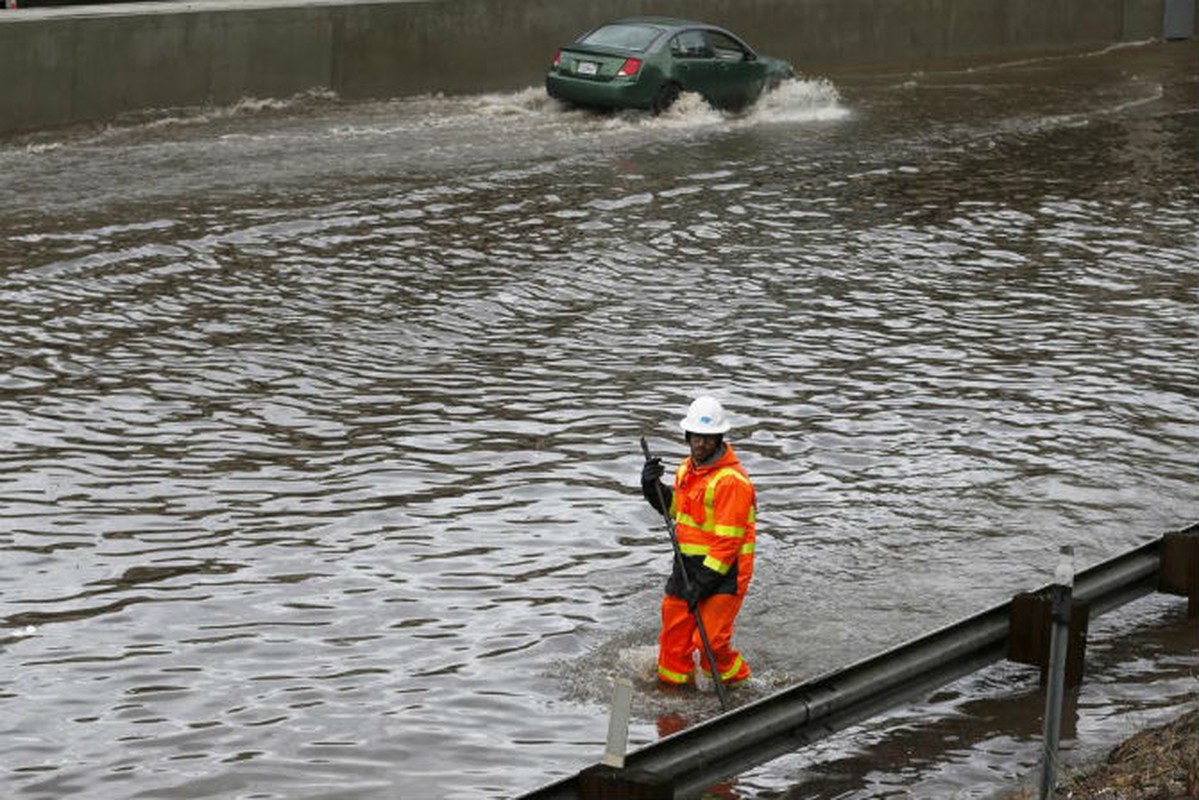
<point>678,557</point>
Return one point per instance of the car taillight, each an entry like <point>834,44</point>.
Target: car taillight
<point>629,68</point>
<point>557,59</point>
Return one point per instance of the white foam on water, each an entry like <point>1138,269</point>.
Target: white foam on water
<point>795,100</point>
<point>591,680</point>
<point>690,110</point>
<point>529,101</point>
<point>800,100</point>
<point>200,115</point>
<point>639,663</point>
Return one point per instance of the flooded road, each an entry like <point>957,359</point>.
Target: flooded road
<point>320,420</point>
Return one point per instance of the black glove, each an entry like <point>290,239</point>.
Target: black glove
<point>703,582</point>
<point>652,472</point>
<point>656,493</point>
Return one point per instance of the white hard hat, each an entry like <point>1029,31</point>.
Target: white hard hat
<point>706,415</point>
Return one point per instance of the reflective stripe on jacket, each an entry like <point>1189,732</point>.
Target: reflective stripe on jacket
<point>715,509</point>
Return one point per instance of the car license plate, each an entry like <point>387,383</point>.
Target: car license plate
<point>587,67</point>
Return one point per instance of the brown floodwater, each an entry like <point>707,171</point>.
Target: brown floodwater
<point>320,421</point>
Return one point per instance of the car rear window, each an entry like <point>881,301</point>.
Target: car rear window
<point>626,37</point>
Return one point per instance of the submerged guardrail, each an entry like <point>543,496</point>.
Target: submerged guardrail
<point>684,764</point>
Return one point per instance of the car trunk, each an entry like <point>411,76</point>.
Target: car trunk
<point>593,63</point>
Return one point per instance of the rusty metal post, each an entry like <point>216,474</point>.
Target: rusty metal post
<point>1179,573</point>
<point>604,782</point>
<point>1031,630</point>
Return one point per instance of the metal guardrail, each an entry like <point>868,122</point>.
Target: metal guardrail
<point>731,743</point>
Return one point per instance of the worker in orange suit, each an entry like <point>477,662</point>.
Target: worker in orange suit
<point>713,505</point>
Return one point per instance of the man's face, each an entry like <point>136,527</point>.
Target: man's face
<point>703,446</point>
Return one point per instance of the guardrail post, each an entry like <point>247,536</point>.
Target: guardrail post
<point>1061,593</point>
<point>618,723</point>
<point>609,780</point>
<point>1179,572</point>
<point>1031,631</point>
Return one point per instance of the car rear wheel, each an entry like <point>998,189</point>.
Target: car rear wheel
<point>664,98</point>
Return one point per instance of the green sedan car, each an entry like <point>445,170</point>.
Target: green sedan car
<point>646,62</point>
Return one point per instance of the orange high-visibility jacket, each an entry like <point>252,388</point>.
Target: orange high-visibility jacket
<point>715,509</point>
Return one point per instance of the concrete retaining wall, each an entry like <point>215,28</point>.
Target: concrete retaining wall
<point>87,63</point>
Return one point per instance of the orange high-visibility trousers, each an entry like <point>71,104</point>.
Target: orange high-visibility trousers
<point>680,640</point>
